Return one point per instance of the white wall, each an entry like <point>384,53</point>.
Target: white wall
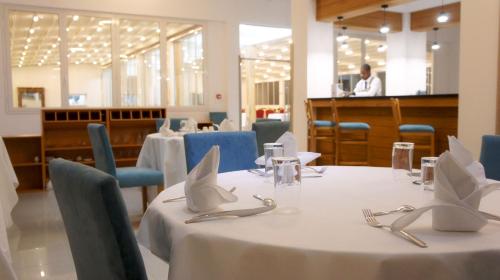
<point>478,86</point>
<point>406,61</point>
<point>446,60</point>
<point>44,76</point>
<point>222,17</point>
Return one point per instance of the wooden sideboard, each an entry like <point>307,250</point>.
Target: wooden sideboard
<point>440,111</point>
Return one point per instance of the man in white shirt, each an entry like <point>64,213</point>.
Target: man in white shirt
<point>369,85</point>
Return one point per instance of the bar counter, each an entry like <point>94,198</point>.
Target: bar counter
<point>440,111</point>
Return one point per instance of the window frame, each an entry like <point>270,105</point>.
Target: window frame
<point>5,56</point>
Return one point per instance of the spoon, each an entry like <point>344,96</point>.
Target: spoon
<point>403,208</point>
<point>267,201</point>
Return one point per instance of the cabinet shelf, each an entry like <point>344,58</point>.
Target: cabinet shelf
<point>27,164</point>
<point>75,148</point>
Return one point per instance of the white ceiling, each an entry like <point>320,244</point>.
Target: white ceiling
<point>418,5</point>
<point>253,34</point>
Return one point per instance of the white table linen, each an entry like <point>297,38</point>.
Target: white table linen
<point>328,239</point>
<point>284,117</point>
<point>165,154</point>
<point>8,199</point>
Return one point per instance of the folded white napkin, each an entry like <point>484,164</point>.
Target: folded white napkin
<point>190,125</point>
<point>165,129</point>
<point>290,150</point>
<point>201,189</point>
<point>226,125</point>
<point>457,195</point>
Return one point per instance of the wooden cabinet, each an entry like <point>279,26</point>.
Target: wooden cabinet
<point>25,153</point>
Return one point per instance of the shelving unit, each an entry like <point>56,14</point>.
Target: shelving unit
<point>64,133</point>
<point>25,153</point>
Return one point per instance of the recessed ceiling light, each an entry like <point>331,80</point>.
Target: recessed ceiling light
<point>26,47</point>
<point>76,17</point>
<point>80,45</point>
<point>381,63</point>
<point>36,18</point>
<point>67,29</point>
<point>96,50</point>
<point>58,39</point>
<point>23,53</point>
<point>367,57</point>
<point>351,66</point>
<point>32,30</point>
<point>290,41</point>
<point>268,70</point>
<point>77,62</point>
<point>58,63</point>
<point>158,30</point>
<point>99,29</point>
<point>39,64</point>
<point>21,58</point>
<point>367,41</point>
<point>44,57</point>
<point>88,38</point>
<point>105,44</point>
<point>49,51</point>
<point>143,38</point>
<point>349,52</point>
<point>94,62</point>
<point>129,45</point>
<point>130,29</point>
<point>28,40</point>
<point>54,45</point>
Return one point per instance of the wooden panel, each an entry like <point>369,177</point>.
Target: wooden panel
<point>329,10</point>
<point>26,155</point>
<point>372,21</point>
<point>425,20</point>
<point>439,111</point>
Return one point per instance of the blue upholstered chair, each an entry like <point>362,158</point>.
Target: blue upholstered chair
<point>267,120</point>
<point>490,156</point>
<point>318,129</point>
<point>268,132</point>
<point>238,150</point>
<point>344,132</point>
<point>101,239</point>
<point>127,176</point>
<point>405,131</point>
<point>175,123</point>
<point>217,117</point>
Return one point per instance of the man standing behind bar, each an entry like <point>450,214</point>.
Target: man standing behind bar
<point>369,85</point>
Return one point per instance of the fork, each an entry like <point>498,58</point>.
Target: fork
<point>372,221</point>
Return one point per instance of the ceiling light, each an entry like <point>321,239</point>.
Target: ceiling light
<point>130,29</point>
<point>89,38</point>
<point>351,66</point>
<point>268,70</point>
<point>273,64</point>
<point>26,47</point>
<point>89,55</point>
<point>367,57</point>
<point>58,63</point>
<point>106,21</point>
<point>279,57</point>
<point>76,17</point>
<point>381,63</point>
<point>23,53</point>
<point>158,30</point>
<point>341,37</point>
<point>96,50</point>
<point>58,39</point>
<point>349,52</point>
<point>21,58</point>
<point>381,48</point>
<point>28,40</point>
<point>44,57</point>
<point>265,76</point>
<point>435,45</point>
<point>80,45</point>
<point>290,41</point>
<point>39,64</point>
<point>77,62</point>
<point>94,62</point>
<point>36,18</point>
<point>67,29</point>
<point>443,17</point>
<point>129,45</point>
<point>32,30</point>
<point>42,61</point>
<point>105,45</point>
<point>344,45</point>
<point>54,45</point>
<point>367,41</point>
<point>99,29</point>
<point>384,29</point>
<point>143,39</point>
<point>73,50</point>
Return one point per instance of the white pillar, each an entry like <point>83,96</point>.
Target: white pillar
<point>479,73</point>
<point>313,66</point>
<point>406,61</point>
<point>445,61</point>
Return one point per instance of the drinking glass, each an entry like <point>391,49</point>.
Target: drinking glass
<point>427,168</point>
<point>402,160</point>
<point>287,183</point>
<point>272,150</point>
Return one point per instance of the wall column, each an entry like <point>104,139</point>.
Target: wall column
<point>479,71</point>
<point>313,66</point>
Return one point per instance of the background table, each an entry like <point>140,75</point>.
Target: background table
<point>165,154</point>
<point>328,239</point>
<point>8,199</point>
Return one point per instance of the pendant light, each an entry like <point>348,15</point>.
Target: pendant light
<point>443,16</point>
<point>435,45</point>
<point>341,37</point>
<point>384,29</point>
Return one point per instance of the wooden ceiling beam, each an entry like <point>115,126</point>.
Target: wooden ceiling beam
<point>329,10</point>
<point>425,20</point>
<point>373,21</point>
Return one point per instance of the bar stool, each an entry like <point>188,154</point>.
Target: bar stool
<point>413,130</point>
<point>342,130</point>
<point>317,129</point>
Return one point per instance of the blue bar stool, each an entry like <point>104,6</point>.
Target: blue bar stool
<point>344,131</point>
<point>405,131</point>
<point>318,129</point>
<point>490,156</point>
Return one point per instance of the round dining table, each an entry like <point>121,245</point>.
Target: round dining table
<point>327,238</point>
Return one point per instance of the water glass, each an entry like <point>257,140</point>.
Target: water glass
<point>272,150</point>
<point>402,160</point>
<point>427,172</point>
<point>287,183</point>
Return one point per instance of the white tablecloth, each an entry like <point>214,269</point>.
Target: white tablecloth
<point>328,239</point>
<point>284,117</point>
<point>8,199</point>
<point>165,154</point>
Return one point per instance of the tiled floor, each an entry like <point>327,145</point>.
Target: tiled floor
<point>39,245</point>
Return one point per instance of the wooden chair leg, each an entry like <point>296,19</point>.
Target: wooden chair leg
<point>160,188</point>
<point>144,199</point>
<point>433,145</point>
<point>338,141</point>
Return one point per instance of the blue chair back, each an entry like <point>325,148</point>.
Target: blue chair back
<point>100,236</point>
<point>217,117</point>
<point>175,123</point>
<point>101,148</point>
<point>268,132</point>
<point>490,156</point>
<point>267,120</point>
<point>238,150</point>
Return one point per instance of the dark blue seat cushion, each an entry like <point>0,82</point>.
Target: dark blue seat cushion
<point>238,150</point>
<point>268,132</point>
<point>217,117</point>
<point>416,128</point>
<point>320,123</point>
<point>354,125</point>
<point>135,177</point>
<point>490,156</point>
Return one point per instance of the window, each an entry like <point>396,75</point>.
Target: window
<point>74,66</point>
<point>35,63</point>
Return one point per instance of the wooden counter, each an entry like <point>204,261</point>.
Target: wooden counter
<point>440,111</point>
